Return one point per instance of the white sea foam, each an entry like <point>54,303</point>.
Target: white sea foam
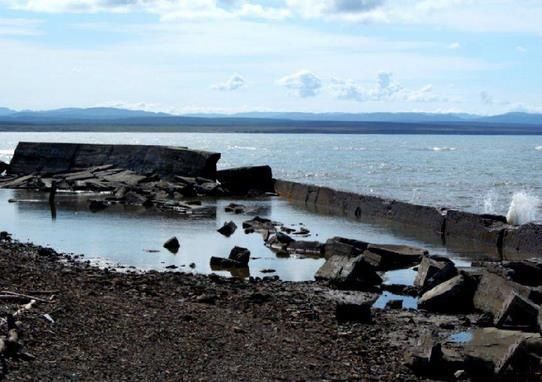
<point>523,208</point>
<point>539,148</point>
<point>490,202</point>
<point>443,148</point>
<point>249,148</point>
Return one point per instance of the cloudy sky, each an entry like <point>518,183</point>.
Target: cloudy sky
<point>183,56</point>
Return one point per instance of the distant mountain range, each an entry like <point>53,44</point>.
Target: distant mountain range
<point>116,119</point>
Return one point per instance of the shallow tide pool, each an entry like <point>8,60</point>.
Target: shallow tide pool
<point>133,236</point>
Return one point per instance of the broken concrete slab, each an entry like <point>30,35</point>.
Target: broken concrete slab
<point>506,301</point>
<point>452,296</point>
<point>493,353</point>
<point>341,246</point>
<point>311,248</point>
<point>425,358</point>
<point>521,241</point>
<point>488,229</point>
<point>52,158</point>
<point>346,272</point>
<point>432,271</point>
<point>388,257</point>
<point>244,179</point>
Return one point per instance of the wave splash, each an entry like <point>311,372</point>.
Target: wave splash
<point>523,208</point>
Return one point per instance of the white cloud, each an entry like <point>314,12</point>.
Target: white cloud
<point>303,83</point>
<point>233,83</point>
<point>480,15</point>
<point>386,89</point>
<point>520,49</point>
<point>454,45</point>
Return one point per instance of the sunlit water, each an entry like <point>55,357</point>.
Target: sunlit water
<point>129,236</point>
<point>474,173</point>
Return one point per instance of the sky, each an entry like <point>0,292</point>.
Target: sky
<point>229,56</point>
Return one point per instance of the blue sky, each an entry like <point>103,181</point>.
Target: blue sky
<point>280,55</point>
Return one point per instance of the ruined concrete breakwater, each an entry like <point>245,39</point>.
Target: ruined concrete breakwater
<point>52,158</point>
<point>486,231</point>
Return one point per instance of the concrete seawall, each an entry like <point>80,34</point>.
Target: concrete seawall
<point>51,158</point>
<point>488,232</point>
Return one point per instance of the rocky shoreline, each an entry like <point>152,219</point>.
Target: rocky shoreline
<point>104,325</point>
<point>65,319</point>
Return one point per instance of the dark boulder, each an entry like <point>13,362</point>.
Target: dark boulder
<point>241,180</point>
<point>172,245</point>
<point>241,255</point>
<point>227,229</point>
<point>527,272</point>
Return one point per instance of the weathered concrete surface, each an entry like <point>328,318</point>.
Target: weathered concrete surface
<point>52,158</point>
<point>487,229</point>
<point>388,256</point>
<point>244,179</point>
<point>433,271</point>
<point>341,246</point>
<point>452,296</point>
<point>488,234</point>
<point>506,301</point>
<point>525,239</point>
<point>491,352</point>
<point>348,272</point>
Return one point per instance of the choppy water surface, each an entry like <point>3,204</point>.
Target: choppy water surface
<point>475,173</point>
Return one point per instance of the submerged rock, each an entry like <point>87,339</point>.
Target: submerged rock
<point>97,205</point>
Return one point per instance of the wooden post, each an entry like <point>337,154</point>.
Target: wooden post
<point>52,204</point>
